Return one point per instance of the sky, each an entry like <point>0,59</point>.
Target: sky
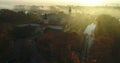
<point>10,3</point>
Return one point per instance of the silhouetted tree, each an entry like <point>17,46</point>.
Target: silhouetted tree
<point>106,45</point>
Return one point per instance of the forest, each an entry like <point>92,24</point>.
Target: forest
<point>57,35</point>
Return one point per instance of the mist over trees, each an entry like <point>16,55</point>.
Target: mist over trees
<point>65,46</point>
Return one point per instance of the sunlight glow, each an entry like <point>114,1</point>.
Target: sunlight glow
<point>90,2</point>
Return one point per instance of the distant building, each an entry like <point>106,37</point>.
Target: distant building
<point>34,9</point>
<point>70,10</point>
<point>18,8</point>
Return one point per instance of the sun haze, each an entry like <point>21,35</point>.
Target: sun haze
<point>11,3</point>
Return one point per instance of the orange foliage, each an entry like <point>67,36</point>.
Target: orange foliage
<point>101,48</point>
<point>61,45</point>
